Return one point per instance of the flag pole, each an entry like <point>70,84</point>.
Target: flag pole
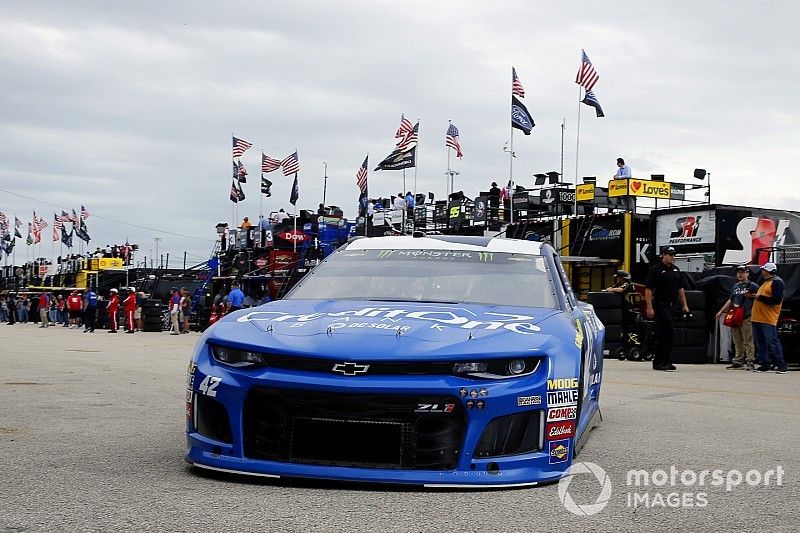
<point>447,176</point>
<point>511,174</point>
<point>577,147</point>
<point>416,157</point>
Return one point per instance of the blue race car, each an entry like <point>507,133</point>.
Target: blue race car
<point>436,361</point>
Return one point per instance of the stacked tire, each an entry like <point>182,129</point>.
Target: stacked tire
<point>152,315</point>
<point>608,308</point>
<point>690,344</point>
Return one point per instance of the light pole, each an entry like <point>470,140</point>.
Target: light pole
<point>325,184</point>
<point>157,240</point>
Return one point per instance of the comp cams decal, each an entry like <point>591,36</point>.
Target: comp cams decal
<point>521,324</point>
<point>557,414</point>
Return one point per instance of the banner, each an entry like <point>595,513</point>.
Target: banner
<point>480,215</point>
<point>688,227</point>
<point>637,187</point>
<point>585,192</point>
<point>398,160</point>
<point>603,238</point>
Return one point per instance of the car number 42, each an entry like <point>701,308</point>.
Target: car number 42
<point>209,386</point>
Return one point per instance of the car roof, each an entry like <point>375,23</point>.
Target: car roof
<point>448,242</point>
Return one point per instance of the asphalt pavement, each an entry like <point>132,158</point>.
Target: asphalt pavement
<point>92,438</point>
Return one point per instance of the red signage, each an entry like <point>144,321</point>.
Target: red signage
<point>560,430</point>
<point>260,262</point>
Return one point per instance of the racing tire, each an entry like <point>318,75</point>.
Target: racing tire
<point>613,334</point>
<point>689,337</point>
<point>696,299</point>
<point>604,300</point>
<point>690,355</point>
<point>609,316</point>
<point>610,348</point>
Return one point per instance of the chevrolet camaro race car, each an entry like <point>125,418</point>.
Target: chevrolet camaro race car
<point>437,361</point>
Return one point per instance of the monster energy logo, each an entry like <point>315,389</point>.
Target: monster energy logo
<point>485,257</point>
<point>383,254</point>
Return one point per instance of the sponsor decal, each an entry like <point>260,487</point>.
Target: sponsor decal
<point>650,189</point>
<point>294,235</point>
<point>559,430</point>
<point>556,414</point>
<point>524,401</point>
<point>209,386</point>
<point>350,369</point>
<point>617,188</point>
<point>562,398</point>
<point>686,229</point>
<point>754,234</point>
<point>578,336</point>
<point>562,383</point>
<point>558,450</point>
<point>485,257</point>
<point>585,192</point>
<point>434,408</point>
<point>438,316</point>
<point>595,379</point>
<point>600,233</point>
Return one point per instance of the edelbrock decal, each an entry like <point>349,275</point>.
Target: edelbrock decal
<point>492,321</point>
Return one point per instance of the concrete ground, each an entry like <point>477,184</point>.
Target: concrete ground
<point>92,438</point>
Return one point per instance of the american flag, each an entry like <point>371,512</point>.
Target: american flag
<point>269,164</point>
<point>410,140</point>
<point>58,223</point>
<point>361,176</point>
<point>74,217</point>
<point>587,76</point>
<point>241,172</point>
<point>291,165</point>
<point>38,222</point>
<point>17,222</point>
<point>516,86</point>
<point>84,213</point>
<point>452,140</point>
<point>404,129</point>
<point>57,232</point>
<point>3,222</point>
<point>240,146</point>
<point>237,194</point>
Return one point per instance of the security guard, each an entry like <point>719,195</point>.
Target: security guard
<point>663,287</point>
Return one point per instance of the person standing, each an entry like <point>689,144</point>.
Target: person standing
<point>742,335</point>
<point>112,309</point>
<point>89,310</point>
<point>138,314</point>
<point>623,170</point>
<point>44,309</point>
<point>61,308</point>
<point>623,287</point>
<point>129,306</point>
<point>174,312</point>
<point>664,286</point>
<point>767,303</point>
<point>235,298</point>
<point>74,302</point>
<point>186,310</point>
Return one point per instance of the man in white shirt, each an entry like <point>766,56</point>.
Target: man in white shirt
<point>399,201</point>
<point>623,170</point>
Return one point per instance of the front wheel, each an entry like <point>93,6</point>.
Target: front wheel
<point>635,354</point>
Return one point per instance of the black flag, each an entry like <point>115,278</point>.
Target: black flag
<point>398,160</point>
<point>265,185</point>
<point>295,191</point>
<point>66,238</point>
<point>520,118</point>
<point>591,99</point>
<point>81,232</point>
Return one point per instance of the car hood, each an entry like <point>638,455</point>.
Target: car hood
<point>360,330</point>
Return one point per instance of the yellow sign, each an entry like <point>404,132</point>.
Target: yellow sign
<point>635,187</point>
<point>585,192</point>
<point>102,263</point>
<point>455,212</point>
<point>649,189</point>
<point>617,188</point>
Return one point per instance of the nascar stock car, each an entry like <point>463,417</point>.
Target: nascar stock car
<point>437,361</point>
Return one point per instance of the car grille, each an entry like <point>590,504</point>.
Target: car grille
<point>360,430</point>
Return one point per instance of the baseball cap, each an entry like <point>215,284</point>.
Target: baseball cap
<point>668,250</point>
<point>741,268</point>
<point>623,274</point>
<point>770,267</point>
<point>113,290</point>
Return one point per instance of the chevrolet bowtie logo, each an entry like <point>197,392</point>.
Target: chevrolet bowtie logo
<point>350,369</point>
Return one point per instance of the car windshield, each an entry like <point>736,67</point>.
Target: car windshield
<point>440,276</point>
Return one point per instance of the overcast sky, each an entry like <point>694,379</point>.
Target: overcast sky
<point>128,107</point>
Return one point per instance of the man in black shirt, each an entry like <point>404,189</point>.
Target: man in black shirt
<point>664,286</point>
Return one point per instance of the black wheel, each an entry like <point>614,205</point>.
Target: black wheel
<point>621,353</point>
<point>635,354</point>
<point>648,355</point>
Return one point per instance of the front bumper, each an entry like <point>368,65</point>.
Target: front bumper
<point>401,430</point>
